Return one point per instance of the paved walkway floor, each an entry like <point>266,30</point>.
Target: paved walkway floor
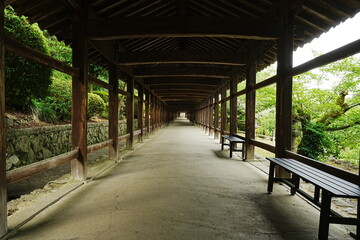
<point>179,185</point>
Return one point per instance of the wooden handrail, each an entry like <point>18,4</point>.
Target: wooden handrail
<point>97,146</point>
<point>27,171</point>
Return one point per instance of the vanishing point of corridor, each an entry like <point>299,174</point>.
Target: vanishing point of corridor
<point>179,185</point>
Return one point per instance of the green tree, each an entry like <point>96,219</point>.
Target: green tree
<point>25,79</point>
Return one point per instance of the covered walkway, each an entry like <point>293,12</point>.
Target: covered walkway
<point>179,185</point>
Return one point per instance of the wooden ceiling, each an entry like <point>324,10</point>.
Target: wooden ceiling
<point>183,50</point>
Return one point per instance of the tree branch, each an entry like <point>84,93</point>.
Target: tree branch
<point>342,127</point>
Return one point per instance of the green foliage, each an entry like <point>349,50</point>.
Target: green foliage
<point>44,111</point>
<point>315,142</point>
<point>96,106</point>
<point>25,80</point>
<point>103,94</point>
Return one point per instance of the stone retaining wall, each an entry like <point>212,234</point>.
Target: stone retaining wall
<point>29,145</point>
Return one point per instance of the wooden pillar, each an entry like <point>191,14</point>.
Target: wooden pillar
<point>152,113</point>
<point>147,115</point>
<point>233,104</point>
<point>211,113</point>
<point>216,113</point>
<point>223,111</point>
<point>284,83</point>
<point>141,111</point>
<point>79,96</point>
<point>113,111</point>
<point>3,190</point>
<point>130,113</point>
<point>250,103</point>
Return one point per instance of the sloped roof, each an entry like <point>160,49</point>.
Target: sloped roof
<point>185,49</point>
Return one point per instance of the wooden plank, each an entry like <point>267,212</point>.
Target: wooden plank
<point>130,113</point>
<point>179,26</point>
<point>113,110</point>
<point>250,103</point>
<point>141,111</point>
<point>27,171</point>
<point>3,186</point>
<point>79,97</point>
<point>181,71</point>
<point>181,56</point>
<point>22,50</point>
<point>284,85</point>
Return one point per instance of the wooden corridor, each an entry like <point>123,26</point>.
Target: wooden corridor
<point>179,185</point>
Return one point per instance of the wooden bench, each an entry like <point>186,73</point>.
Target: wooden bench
<point>233,140</point>
<point>331,186</point>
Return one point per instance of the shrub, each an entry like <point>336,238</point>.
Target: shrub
<point>24,79</point>
<point>96,105</point>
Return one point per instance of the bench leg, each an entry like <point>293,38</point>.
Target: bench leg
<point>317,194</point>
<point>222,143</point>
<point>296,182</point>
<point>271,177</point>
<point>231,145</point>
<point>324,215</point>
<point>358,220</point>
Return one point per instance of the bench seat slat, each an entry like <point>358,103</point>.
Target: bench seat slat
<point>335,185</point>
<point>310,175</point>
<point>343,184</point>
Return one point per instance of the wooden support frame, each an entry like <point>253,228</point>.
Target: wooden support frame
<point>250,103</point>
<point>130,113</point>
<point>284,85</point>
<point>3,184</point>
<point>140,112</point>
<point>113,111</point>
<point>79,96</point>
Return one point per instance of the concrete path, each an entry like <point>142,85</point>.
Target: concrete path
<point>179,185</point>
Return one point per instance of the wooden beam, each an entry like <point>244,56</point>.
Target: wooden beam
<point>233,103</point>
<point>23,50</point>
<point>250,103</point>
<point>223,111</point>
<point>3,185</point>
<point>284,85</point>
<point>130,113</point>
<point>181,56</point>
<point>181,71</point>
<point>216,115</point>
<point>79,96</point>
<point>141,112</point>
<point>113,111</point>
<point>147,111</point>
<point>180,26</point>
